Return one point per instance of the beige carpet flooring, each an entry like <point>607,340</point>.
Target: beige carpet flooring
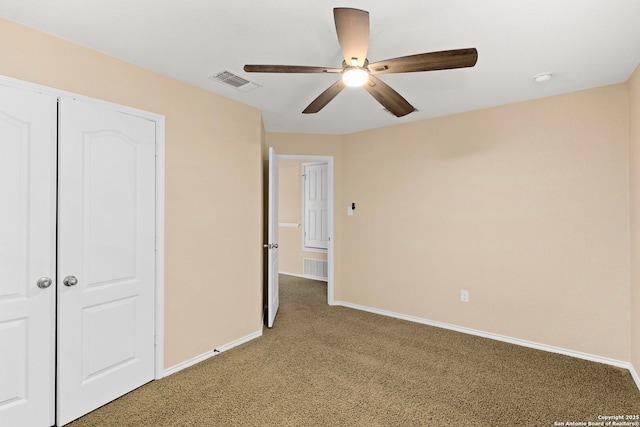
<point>334,366</point>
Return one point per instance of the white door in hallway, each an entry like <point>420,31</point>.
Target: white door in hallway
<point>106,266</point>
<point>316,206</point>
<point>273,292</point>
<point>27,257</point>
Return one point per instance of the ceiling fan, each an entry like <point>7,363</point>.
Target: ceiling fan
<point>352,26</point>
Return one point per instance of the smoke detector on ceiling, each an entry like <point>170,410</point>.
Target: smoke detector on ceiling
<point>232,79</point>
<point>543,77</point>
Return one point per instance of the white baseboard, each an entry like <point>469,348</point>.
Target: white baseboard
<point>291,274</point>
<point>211,353</point>
<point>635,376</point>
<point>320,279</point>
<point>498,337</point>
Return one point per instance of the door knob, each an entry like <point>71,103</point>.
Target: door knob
<point>70,281</point>
<point>44,282</point>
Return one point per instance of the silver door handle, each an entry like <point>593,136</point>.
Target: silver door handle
<point>70,281</point>
<point>44,282</point>
<point>270,246</point>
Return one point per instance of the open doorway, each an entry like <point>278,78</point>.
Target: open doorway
<point>295,258</point>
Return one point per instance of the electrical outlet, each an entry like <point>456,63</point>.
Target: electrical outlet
<point>464,296</point>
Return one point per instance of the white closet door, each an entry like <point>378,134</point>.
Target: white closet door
<point>106,209</point>
<point>27,253</point>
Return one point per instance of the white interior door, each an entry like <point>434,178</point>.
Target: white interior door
<point>273,296</point>
<point>316,206</point>
<point>27,253</point>
<point>106,214</point>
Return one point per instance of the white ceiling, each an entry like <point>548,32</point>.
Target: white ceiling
<point>584,43</point>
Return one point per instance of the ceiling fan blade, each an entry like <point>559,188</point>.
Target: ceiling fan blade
<point>389,98</point>
<point>443,60</point>
<point>324,98</point>
<point>289,69</point>
<point>352,26</point>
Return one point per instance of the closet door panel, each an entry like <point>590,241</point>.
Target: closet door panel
<point>27,257</point>
<point>106,243</point>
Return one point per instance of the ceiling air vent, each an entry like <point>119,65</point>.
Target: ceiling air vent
<point>229,78</point>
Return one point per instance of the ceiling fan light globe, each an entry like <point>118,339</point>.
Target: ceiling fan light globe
<point>355,76</point>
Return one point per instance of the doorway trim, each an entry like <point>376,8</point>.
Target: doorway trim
<point>159,121</point>
<point>330,225</point>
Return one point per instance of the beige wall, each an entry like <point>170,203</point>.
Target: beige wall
<point>213,184</point>
<point>318,145</point>
<point>634,137</point>
<point>525,205</point>
<point>290,249</point>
